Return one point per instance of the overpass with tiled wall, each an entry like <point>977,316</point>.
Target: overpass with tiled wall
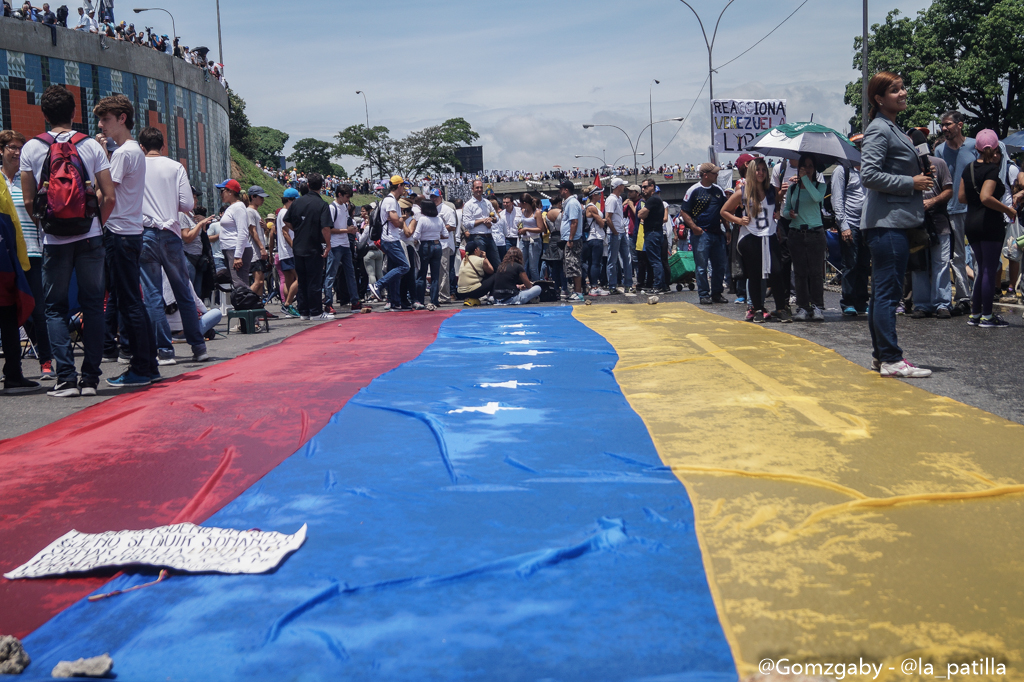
<point>189,106</point>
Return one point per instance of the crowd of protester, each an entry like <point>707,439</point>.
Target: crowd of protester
<point>896,227</point>
<point>99,19</point>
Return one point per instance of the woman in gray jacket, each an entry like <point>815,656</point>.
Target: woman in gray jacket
<point>895,182</point>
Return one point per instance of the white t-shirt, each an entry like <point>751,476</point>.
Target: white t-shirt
<point>613,209</point>
<point>390,233</point>
<point>33,155</point>
<point>429,228</point>
<point>596,231</point>
<point>234,229</point>
<point>254,220</point>
<point>128,171</point>
<point>167,194</point>
<point>284,249</point>
<point>340,214</point>
<point>451,223</point>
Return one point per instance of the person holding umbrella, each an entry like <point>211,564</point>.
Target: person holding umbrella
<point>807,243</point>
<point>894,204</point>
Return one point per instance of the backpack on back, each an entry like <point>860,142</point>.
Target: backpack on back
<point>377,223</point>
<point>66,198</point>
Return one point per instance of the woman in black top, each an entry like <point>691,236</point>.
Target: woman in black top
<point>511,285</point>
<point>984,226</point>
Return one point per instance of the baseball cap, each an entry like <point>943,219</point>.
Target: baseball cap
<point>567,184</point>
<point>396,180</point>
<point>291,193</point>
<point>617,182</point>
<point>257,191</point>
<point>743,160</point>
<point>708,167</point>
<point>435,192</point>
<point>633,188</point>
<point>657,189</point>
<point>231,185</point>
<point>986,139</point>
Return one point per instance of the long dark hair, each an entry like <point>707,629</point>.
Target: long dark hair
<point>512,257</point>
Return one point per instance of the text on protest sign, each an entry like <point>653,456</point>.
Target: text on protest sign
<point>738,121</point>
<point>183,546</point>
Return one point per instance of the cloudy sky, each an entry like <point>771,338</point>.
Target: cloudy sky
<point>527,74</point>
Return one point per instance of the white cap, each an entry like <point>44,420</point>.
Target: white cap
<point>618,182</point>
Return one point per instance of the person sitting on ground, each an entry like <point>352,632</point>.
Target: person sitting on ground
<point>511,285</point>
<point>476,276</point>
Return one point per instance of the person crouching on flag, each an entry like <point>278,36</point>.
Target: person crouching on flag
<point>16,301</point>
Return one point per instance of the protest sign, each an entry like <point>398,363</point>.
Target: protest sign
<point>183,546</point>
<point>738,121</point>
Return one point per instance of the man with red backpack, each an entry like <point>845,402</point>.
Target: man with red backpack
<point>73,171</point>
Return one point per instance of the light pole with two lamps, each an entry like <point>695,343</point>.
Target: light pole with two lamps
<point>711,81</point>
<point>632,145</point>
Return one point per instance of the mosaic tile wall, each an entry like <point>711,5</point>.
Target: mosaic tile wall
<point>194,126</point>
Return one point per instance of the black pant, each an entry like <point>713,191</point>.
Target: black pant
<point>785,260</point>
<point>310,272</point>
<point>489,247</point>
<point>749,249</point>
<point>807,248</point>
<point>122,263</point>
<point>481,291</point>
<point>11,340</point>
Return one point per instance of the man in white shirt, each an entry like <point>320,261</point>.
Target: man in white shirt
<point>451,222</point>
<point>391,244</point>
<point>167,194</point>
<point>123,237</point>
<point>508,219</point>
<point>620,260</point>
<point>477,219</point>
<point>341,251</point>
<point>82,254</point>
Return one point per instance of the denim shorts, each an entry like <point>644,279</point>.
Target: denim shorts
<point>287,264</point>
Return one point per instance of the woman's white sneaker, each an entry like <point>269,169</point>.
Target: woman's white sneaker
<point>903,369</point>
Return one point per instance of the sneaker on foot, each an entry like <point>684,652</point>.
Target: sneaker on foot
<point>576,297</point>
<point>800,315</point>
<point>303,317</point>
<point>373,290</point>
<point>918,314</point>
<point>326,316</point>
<point>129,380</point>
<point>718,298</point>
<point>431,307</point>
<point>153,378</point>
<point>200,357</point>
<point>904,370</point>
<point>849,311</point>
<point>751,315</point>
<point>20,385</point>
<point>993,321</point>
<point>418,306</point>
<point>86,389</point>
<point>974,320</point>
<point>900,310</point>
<point>163,362</point>
<point>620,290</point>
<point>943,314</point>
<point>46,372</point>
<point>766,317</point>
<point>876,364</point>
<point>817,314</point>
<point>739,300</point>
<point>64,389</point>
<point>705,300</point>
<point>109,358</point>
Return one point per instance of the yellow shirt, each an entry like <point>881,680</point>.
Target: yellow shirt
<point>7,206</point>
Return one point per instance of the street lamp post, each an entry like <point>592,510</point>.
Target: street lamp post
<point>632,146</point>
<point>366,109</point>
<point>711,81</point>
<point>650,104</point>
<point>220,43</point>
<point>588,156</point>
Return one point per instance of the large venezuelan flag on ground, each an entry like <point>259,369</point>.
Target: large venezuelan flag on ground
<point>655,493</point>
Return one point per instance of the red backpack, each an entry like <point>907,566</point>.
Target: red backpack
<point>66,198</point>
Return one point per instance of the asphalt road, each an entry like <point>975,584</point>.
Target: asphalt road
<point>978,367</point>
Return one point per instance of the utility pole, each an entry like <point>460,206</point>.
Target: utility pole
<point>864,103</point>
<point>710,44</point>
<point>220,43</point>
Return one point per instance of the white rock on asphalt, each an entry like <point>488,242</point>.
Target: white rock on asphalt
<point>13,658</point>
<point>97,666</point>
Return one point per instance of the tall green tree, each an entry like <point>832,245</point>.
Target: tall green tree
<point>312,156</point>
<point>267,144</point>
<point>956,54</point>
<point>238,124</point>
<point>374,145</point>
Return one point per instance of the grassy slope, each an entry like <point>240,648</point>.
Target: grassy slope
<point>248,174</point>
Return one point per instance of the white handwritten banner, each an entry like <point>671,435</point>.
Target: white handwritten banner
<point>738,121</point>
<point>183,546</point>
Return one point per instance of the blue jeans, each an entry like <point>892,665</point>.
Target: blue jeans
<point>593,253</point>
<point>524,296</point>
<point>620,261</point>
<point>889,251</point>
<point>708,249</point>
<point>430,259</point>
<point>652,249</point>
<point>85,257</point>
<point>531,257</point>
<point>122,259</point>
<point>397,267</point>
<point>341,257</point>
<point>932,287</point>
<point>856,268</point>
<point>163,250</point>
